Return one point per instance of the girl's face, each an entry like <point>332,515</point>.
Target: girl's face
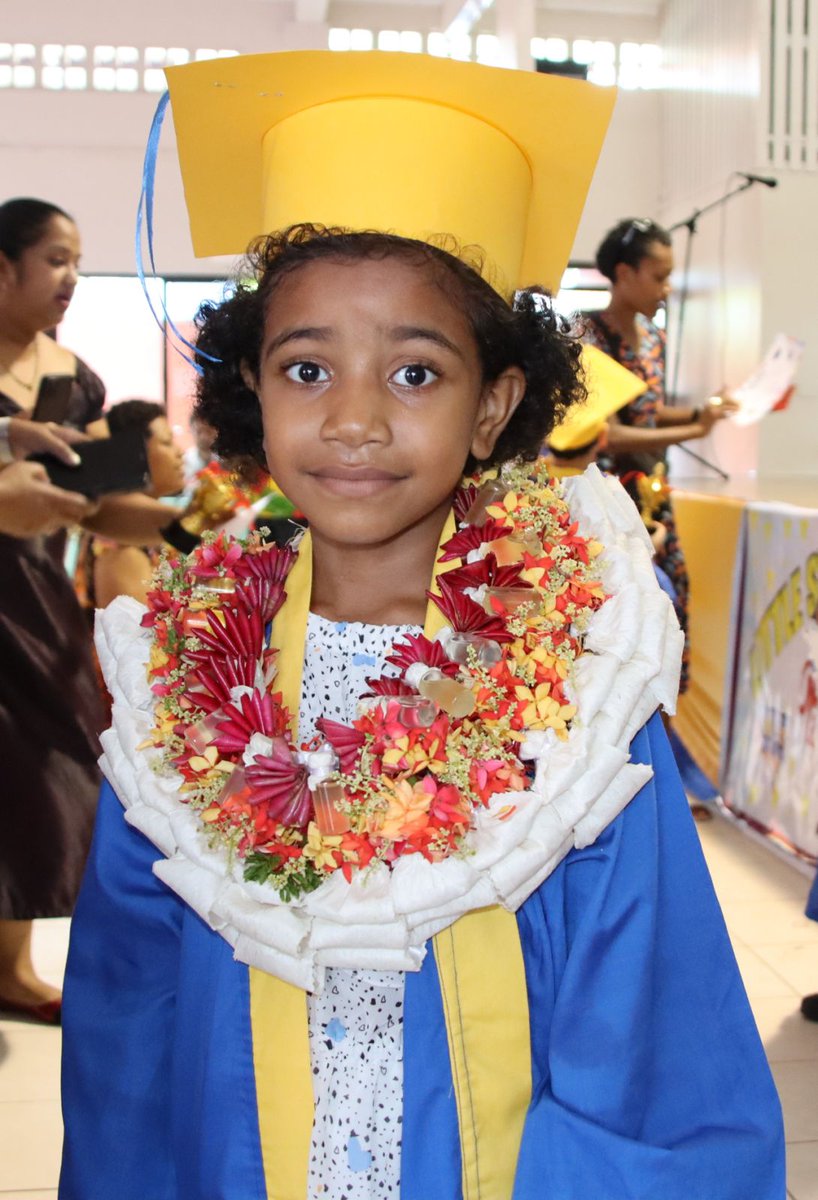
<point>41,282</point>
<point>372,398</point>
<point>646,286</point>
<point>164,460</point>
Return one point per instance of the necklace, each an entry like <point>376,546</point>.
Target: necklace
<point>380,914</point>
<point>12,374</point>
<point>429,749</point>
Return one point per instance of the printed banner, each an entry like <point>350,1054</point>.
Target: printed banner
<point>771,774</point>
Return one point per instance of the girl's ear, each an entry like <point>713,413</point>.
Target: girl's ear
<point>250,381</point>
<point>497,406</point>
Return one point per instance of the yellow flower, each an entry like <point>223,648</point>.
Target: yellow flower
<point>205,761</point>
<point>158,658</point>
<point>321,849</point>
<point>540,710</point>
<point>414,759</point>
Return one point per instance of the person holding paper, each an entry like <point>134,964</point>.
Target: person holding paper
<point>637,258</point>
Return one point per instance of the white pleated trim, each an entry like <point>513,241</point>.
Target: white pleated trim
<point>383,918</point>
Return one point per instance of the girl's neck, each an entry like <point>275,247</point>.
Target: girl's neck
<point>378,585</point>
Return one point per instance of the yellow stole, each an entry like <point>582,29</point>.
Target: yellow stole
<point>482,982</point>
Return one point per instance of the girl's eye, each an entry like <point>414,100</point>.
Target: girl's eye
<point>306,372</point>
<point>415,375</point>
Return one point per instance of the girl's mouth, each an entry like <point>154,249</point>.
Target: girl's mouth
<point>354,481</point>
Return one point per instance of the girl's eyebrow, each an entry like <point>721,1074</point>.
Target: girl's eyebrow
<point>409,333</point>
<point>400,333</point>
<point>318,333</point>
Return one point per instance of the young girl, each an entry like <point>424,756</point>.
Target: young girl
<point>411,773</point>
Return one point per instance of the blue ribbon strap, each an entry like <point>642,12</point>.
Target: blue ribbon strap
<point>144,217</point>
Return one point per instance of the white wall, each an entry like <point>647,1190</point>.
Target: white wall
<point>628,179</point>
<point>754,259</point>
<point>709,130</point>
<point>789,441</point>
<point>84,150</point>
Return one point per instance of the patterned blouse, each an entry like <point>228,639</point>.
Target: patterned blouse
<point>356,1024</point>
<point>648,363</point>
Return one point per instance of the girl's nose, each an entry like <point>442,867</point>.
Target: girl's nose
<point>357,413</point>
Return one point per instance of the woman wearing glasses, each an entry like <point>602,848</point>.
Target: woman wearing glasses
<point>637,258</point>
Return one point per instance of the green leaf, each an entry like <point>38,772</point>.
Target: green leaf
<point>258,866</point>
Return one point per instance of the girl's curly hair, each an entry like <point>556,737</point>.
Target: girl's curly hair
<point>527,334</point>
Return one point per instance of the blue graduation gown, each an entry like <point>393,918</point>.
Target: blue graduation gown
<point>649,1079</point>
<point>812,900</point>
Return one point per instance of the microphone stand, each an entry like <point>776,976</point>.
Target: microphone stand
<point>691,225</point>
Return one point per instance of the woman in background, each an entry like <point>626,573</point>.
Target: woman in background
<point>637,258</point>
<point>50,710</point>
<point>50,707</point>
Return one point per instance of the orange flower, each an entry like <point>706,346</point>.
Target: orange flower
<point>407,813</point>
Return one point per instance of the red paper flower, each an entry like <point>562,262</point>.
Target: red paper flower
<point>473,536</point>
<point>256,713</point>
<point>463,500</point>
<point>465,616</point>
<point>418,648</point>
<point>261,596</point>
<point>387,685</point>
<point>485,571</point>
<point>270,565</point>
<point>240,635</point>
<point>345,741</point>
<point>280,782</point>
<point>214,678</point>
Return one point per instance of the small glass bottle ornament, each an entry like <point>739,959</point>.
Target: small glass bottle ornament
<point>235,786</point>
<point>327,793</point>
<point>506,600</point>
<point>493,491</point>
<point>454,697</point>
<point>514,547</point>
<point>416,712</point>
<point>326,798</point>
<point>486,651</point>
<point>199,735</point>
<point>195,618</point>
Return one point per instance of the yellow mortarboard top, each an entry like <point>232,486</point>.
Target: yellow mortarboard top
<point>405,143</point>
<point>610,387</point>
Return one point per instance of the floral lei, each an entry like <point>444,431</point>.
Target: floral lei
<point>432,743</point>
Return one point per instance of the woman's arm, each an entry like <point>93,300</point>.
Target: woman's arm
<point>132,518</point>
<point>716,408</point>
<point>623,439</point>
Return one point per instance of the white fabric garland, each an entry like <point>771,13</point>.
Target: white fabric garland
<point>383,918</point>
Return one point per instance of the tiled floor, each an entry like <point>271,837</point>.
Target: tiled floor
<point>776,947</point>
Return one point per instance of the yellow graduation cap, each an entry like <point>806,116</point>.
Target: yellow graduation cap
<point>610,387</point>
<point>405,143</point>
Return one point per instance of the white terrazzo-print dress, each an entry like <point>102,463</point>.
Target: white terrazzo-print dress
<point>356,1024</point>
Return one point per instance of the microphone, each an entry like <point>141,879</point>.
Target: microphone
<point>767,180</point>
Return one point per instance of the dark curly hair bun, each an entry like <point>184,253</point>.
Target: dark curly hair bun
<point>525,333</point>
